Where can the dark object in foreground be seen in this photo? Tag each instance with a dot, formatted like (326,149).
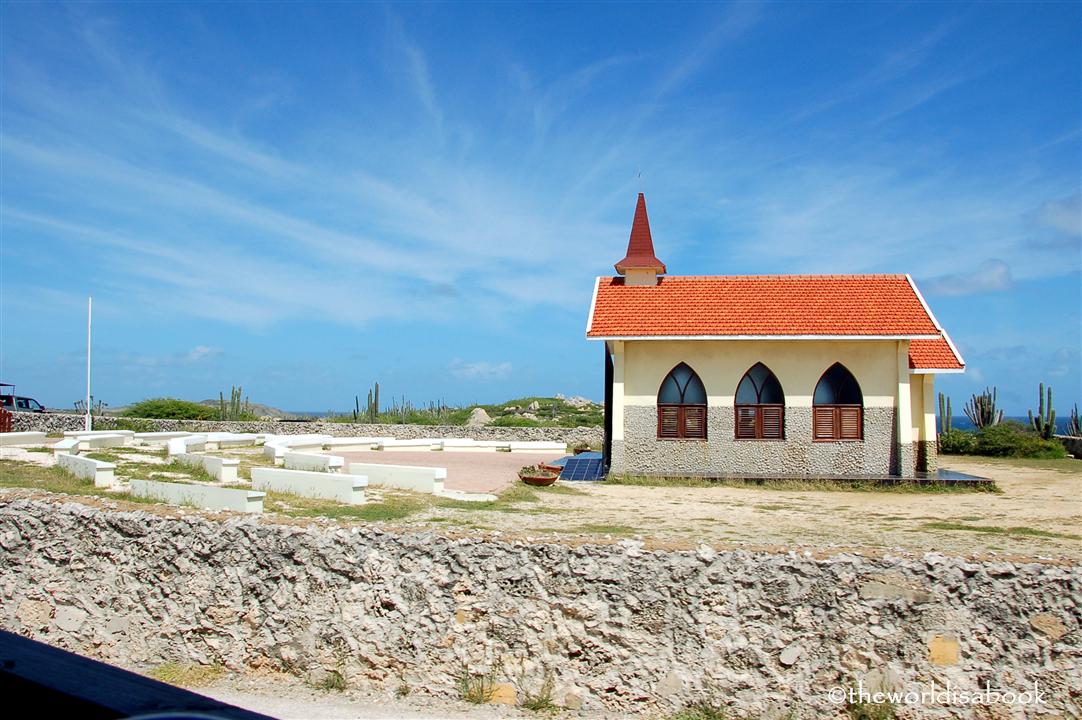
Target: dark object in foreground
(62,684)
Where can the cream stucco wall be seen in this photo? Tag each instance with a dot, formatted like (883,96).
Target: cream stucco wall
(798,365)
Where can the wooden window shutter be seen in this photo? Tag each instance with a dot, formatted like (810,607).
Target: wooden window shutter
(745,422)
(668,422)
(849,423)
(694,422)
(823,423)
(772,419)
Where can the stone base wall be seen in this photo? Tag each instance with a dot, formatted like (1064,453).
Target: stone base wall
(56,422)
(926,456)
(642,452)
(619,627)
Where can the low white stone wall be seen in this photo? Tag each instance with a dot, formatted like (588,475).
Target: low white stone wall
(618,626)
(91,442)
(406,477)
(22,438)
(348,489)
(223,469)
(311,461)
(98,471)
(208,497)
(67,446)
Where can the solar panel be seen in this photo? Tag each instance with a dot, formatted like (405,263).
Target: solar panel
(580,468)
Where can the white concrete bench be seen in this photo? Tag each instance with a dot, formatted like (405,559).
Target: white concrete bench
(275,447)
(538,446)
(188,443)
(354,443)
(89,442)
(22,438)
(415,445)
(312,461)
(89,433)
(348,489)
(407,477)
(222,469)
(201,496)
(498,445)
(160,437)
(67,446)
(224,440)
(100,472)
(464,445)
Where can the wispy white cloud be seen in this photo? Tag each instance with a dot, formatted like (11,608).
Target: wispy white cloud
(1063,215)
(990,276)
(482,370)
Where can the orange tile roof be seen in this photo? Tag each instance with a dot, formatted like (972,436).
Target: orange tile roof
(771,306)
(933,355)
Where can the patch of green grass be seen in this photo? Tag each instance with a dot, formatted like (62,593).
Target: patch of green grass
(104,456)
(392,507)
(41,449)
(1067,464)
(804,484)
(603,529)
(560,489)
(186,675)
(996,530)
(54,479)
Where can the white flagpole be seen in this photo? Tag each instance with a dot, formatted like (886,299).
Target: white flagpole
(89,315)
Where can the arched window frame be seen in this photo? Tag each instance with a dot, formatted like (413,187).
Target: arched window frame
(682,420)
(837,421)
(759,420)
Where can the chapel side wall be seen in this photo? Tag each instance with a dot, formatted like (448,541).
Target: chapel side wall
(798,364)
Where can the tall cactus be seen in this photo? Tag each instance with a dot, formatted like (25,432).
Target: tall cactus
(1074,423)
(946,424)
(981,409)
(1045,421)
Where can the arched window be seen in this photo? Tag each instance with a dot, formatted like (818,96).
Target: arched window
(838,406)
(760,406)
(681,405)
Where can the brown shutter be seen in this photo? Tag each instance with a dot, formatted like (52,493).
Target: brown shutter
(849,423)
(745,421)
(694,422)
(772,424)
(823,423)
(668,422)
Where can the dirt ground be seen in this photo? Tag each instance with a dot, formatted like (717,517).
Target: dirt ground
(1038,513)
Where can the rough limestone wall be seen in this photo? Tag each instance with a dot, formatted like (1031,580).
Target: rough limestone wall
(642,452)
(620,627)
(48,422)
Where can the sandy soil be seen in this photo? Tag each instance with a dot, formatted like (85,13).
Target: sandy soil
(1032,500)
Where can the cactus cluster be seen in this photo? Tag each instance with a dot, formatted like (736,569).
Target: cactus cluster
(1074,423)
(235,409)
(945,414)
(1045,420)
(981,409)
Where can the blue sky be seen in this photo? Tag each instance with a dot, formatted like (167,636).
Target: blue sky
(303,199)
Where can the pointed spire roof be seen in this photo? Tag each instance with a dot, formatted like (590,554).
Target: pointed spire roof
(640,248)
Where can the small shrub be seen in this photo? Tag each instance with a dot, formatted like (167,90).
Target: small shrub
(402,691)
(701,710)
(1012,439)
(333,681)
(861,710)
(957,442)
(476,689)
(540,701)
(171,409)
